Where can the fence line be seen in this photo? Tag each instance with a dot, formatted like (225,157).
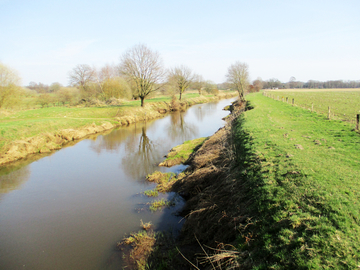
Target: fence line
(357,116)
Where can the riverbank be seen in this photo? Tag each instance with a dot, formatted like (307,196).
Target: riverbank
(274,189)
(44,130)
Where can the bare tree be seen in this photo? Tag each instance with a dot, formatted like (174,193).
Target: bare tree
(144,70)
(9,86)
(198,83)
(82,76)
(258,84)
(180,77)
(238,77)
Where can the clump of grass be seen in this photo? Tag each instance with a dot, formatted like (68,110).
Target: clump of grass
(146,226)
(159,204)
(142,244)
(151,193)
(181,153)
(164,180)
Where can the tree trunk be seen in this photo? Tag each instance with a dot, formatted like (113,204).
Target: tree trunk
(142,101)
(180,96)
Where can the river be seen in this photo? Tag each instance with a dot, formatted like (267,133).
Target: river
(68,209)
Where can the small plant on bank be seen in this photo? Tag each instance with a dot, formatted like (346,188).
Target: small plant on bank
(142,245)
(151,193)
(164,180)
(159,204)
(146,226)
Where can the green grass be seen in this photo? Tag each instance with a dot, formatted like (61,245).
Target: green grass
(182,152)
(344,104)
(151,193)
(305,203)
(159,204)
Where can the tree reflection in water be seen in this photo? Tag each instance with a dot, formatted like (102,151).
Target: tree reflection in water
(112,140)
(142,155)
(13,180)
(178,129)
(206,109)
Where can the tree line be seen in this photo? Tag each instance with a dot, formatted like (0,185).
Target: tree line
(138,75)
(311,84)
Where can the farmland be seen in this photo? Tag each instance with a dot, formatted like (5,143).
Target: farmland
(344,103)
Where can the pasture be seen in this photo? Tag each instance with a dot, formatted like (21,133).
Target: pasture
(344,103)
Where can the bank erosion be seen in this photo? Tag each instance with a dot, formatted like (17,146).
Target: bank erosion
(276,188)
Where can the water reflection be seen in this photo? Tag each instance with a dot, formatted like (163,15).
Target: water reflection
(112,141)
(205,110)
(14,179)
(178,129)
(142,155)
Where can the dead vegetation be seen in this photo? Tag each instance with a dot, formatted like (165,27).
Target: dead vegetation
(165,181)
(215,210)
(136,248)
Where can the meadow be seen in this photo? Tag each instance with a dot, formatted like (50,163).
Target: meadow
(303,175)
(344,103)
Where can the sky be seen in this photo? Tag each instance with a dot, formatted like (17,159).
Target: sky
(306,39)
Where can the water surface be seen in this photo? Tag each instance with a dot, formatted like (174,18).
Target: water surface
(68,209)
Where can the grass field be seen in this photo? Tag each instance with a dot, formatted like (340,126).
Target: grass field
(304,175)
(344,103)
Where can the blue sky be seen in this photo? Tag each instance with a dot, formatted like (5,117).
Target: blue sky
(318,40)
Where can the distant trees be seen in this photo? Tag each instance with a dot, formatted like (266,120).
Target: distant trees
(211,88)
(54,87)
(144,70)
(198,83)
(238,78)
(180,78)
(111,84)
(257,85)
(9,86)
(82,76)
(293,83)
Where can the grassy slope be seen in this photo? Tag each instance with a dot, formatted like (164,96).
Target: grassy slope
(305,202)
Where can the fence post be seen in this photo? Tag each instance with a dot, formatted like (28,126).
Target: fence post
(357,121)
(329,112)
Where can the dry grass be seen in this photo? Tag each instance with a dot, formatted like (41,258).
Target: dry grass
(164,180)
(142,244)
(146,226)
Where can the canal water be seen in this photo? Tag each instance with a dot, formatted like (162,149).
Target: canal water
(68,209)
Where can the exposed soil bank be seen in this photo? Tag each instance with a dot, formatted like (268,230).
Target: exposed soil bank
(46,142)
